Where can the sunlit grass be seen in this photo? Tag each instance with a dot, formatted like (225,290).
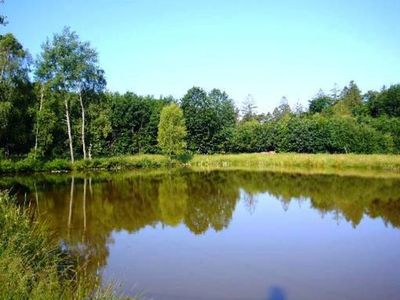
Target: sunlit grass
(306,162)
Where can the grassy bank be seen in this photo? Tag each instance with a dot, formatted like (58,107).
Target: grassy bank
(32,266)
(261,161)
(308,161)
(30,165)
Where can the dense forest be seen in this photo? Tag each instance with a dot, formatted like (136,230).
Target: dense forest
(57,106)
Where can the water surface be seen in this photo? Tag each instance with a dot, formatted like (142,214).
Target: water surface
(227,235)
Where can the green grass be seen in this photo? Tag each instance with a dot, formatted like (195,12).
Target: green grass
(29,165)
(32,266)
(308,163)
(326,163)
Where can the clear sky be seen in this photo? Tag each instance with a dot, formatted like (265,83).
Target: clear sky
(268,49)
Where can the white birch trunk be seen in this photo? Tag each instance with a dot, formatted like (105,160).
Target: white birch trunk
(37,121)
(71,148)
(83,125)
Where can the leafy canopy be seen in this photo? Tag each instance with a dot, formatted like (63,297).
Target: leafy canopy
(172,130)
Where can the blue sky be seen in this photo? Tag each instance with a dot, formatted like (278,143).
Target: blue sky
(268,49)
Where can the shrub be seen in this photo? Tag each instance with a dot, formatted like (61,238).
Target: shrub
(57,165)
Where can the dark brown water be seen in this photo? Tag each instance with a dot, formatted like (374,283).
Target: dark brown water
(227,235)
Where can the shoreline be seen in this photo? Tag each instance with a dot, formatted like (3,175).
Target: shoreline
(382,165)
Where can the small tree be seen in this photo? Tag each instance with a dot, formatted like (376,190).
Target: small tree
(172,131)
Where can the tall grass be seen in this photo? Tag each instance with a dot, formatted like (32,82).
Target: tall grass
(281,161)
(32,266)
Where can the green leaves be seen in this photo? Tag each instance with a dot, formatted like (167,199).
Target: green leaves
(207,116)
(172,131)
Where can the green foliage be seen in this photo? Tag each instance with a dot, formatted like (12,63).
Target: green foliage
(134,122)
(70,68)
(184,157)
(7,166)
(99,128)
(121,163)
(252,136)
(208,119)
(15,96)
(57,165)
(31,164)
(69,64)
(350,100)
(320,103)
(172,131)
(346,135)
(311,134)
(386,103)
(387,126)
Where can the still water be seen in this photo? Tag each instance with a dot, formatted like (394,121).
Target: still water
(227,234)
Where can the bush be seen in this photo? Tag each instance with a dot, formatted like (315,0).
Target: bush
(346,135)
(312,134)
(7,166)
(28,164)
(303,135)
(184,157)
(252,136)
(57,165)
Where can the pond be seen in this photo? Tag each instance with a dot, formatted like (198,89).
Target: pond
(227,234)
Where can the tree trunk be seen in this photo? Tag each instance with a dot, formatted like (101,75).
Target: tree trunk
(71,148)
(83,125)
(37,121)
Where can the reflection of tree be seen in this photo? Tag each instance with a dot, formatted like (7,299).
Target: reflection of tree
(212,200)
(250,202)
(172,197)
(201,200)
(84,204)
(389,210)
(351,197)
(71,201)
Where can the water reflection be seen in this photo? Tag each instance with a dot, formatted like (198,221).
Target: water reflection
(199,200)
(85,211)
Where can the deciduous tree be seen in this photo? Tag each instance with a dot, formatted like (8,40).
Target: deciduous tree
(172,131)
(71,68)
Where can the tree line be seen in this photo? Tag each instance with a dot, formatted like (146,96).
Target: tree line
(57,106)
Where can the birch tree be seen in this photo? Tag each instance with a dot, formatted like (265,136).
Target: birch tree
(71,68)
